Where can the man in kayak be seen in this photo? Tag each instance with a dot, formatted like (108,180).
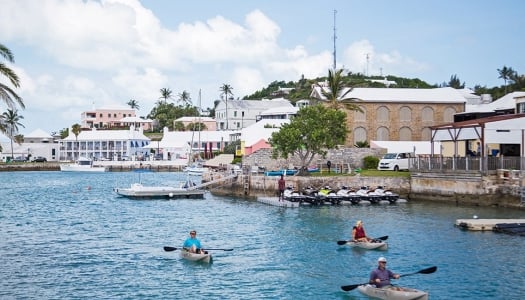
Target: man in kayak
(359,234)
(193,244)
(380,277)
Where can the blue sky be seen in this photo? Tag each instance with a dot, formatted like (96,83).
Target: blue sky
(73,55)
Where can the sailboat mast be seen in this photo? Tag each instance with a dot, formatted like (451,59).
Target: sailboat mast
(199,111)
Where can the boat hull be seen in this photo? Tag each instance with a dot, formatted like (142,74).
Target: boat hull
(392,294)
(79,168)
(369,245)
(138,191)
(197,257)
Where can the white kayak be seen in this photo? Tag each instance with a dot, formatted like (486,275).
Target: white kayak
(205,258)
(392,293)
(376,245)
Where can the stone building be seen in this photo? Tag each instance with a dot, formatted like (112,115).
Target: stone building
(398,114)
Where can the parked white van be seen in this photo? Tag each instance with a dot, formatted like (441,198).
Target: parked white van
(395,161)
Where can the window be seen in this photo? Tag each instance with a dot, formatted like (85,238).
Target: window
(405,134)
(427,114)
(360,135)
(425,134)
(383,114)
(448,114)
(383,134)
(405,114)
(360,116)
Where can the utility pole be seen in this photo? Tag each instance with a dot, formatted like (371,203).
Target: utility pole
(335,37)
(367,60)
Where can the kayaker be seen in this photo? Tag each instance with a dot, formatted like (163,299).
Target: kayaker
(359,234)
(193,244)
(281,184)
(381,276)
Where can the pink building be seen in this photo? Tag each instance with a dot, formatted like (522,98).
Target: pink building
(110,117)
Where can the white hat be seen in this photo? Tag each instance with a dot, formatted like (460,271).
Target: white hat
(381,259)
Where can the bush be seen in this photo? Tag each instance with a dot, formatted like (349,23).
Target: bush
(371,162)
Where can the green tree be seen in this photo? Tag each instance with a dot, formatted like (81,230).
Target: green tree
(11,122)
(165,94)
(505,74)
(64,133)
(455,82)
(179,126)
(6,93)
(185,99)
(134,104)
(336,94)
(197,126)
(313,131)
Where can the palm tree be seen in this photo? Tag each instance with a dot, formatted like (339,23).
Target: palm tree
(76,129)
(166,94)
(505,74)
(6,93)
(11,122)
(134,104)
(336,94)
(226,90)
(185,98)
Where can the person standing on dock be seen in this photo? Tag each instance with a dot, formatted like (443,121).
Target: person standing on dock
(281,184)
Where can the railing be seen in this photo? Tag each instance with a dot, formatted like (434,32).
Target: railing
(483,165)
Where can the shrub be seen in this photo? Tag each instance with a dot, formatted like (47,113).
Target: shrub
(371,162)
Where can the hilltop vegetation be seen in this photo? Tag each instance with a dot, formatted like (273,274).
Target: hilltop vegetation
(303,87)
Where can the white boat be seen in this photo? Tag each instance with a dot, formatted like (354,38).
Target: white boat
(83,164)
(186,189)
(205,258)
(376,245)
(395,293)
(195,169)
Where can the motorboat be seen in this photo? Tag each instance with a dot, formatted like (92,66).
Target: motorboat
(82,164)
(186,189)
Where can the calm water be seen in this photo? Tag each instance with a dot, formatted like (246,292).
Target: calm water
(68,236)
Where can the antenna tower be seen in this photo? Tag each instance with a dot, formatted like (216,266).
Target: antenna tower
(335,37)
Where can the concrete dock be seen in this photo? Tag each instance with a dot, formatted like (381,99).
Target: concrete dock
(484,224)
(275,202)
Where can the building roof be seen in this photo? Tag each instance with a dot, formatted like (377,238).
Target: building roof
(280,110)
(107,135)
(39,134)
(258,131)
(504,103)
(419,147)
(437,95)
(256,104)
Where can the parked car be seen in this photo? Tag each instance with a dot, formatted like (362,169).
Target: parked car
(19,159)
(39,159)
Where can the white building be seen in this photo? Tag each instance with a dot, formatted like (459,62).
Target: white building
(105,144)
(237,114)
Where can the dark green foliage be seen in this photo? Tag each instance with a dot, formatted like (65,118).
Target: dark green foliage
(370,162)
(314,130)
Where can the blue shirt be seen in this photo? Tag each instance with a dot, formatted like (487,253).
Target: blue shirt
(189,242)
(383,275)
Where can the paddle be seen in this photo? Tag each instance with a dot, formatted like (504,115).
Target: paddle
(424,271)
(167,248)
(383,238)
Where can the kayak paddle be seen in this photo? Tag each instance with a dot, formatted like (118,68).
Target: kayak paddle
(424,271)
(167,248)
(383,238)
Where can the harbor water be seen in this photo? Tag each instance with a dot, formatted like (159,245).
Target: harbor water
(69,236)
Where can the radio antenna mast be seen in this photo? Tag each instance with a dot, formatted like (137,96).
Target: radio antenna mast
(335,38)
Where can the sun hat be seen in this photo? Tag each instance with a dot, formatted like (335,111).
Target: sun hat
(381,259)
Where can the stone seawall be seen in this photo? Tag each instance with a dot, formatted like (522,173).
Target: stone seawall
(467,189)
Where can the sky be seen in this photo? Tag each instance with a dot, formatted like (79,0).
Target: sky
(76,55)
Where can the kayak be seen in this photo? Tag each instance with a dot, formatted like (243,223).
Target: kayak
(390,293)
(205,258)
(376,245)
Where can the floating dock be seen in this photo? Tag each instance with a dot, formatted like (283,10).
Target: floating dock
(275,202)
(488,224)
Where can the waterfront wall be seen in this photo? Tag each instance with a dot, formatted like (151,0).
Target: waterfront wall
(459,189)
